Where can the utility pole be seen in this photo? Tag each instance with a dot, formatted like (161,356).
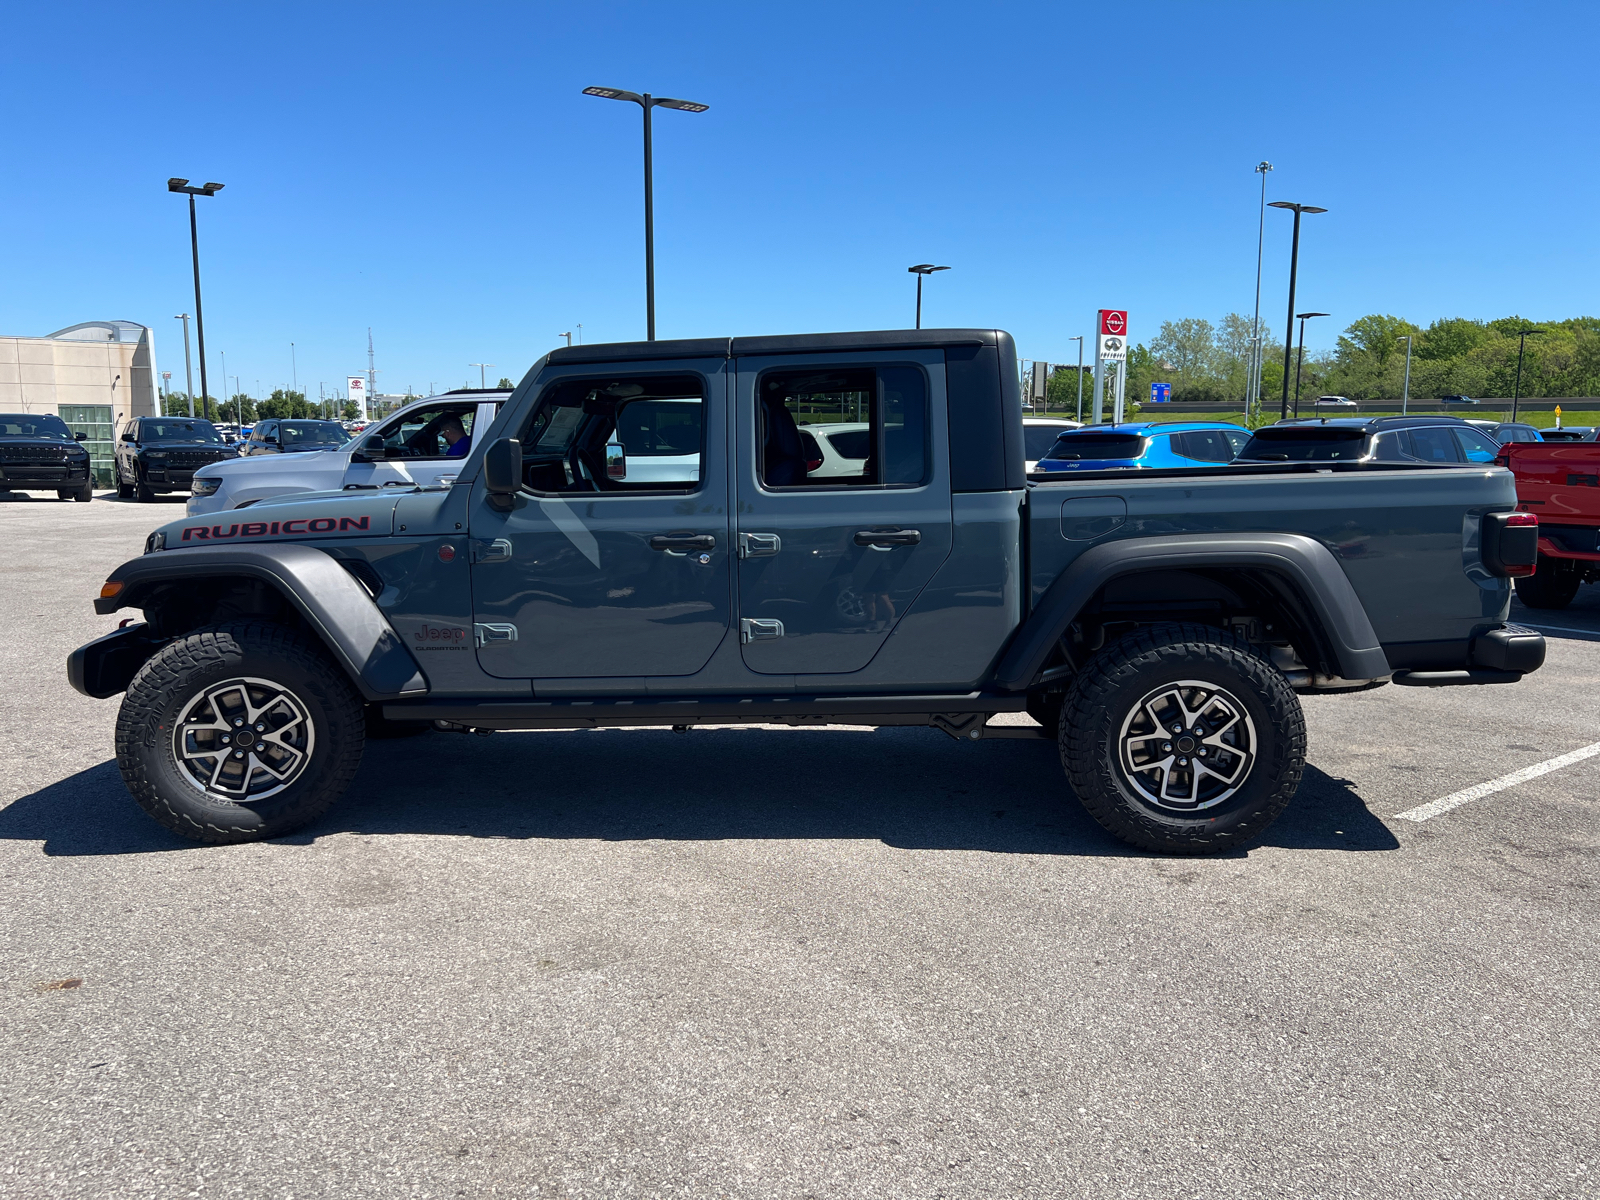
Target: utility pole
(1516,394)
(188,368)
(1405,389)
(372,371)
(482,367)
(1079,340)
(1253,383)
(1294,266)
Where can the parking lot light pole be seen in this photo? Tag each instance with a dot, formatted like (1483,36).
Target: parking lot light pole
(919,271)
(1079,340)
(182,187)
(1253,385)
(1294,266)
(1516,391)
(1405,388)
(188,367)
(647,102)
(1301,357)
(482,367)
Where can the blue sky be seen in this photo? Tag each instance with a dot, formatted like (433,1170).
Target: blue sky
(433,172)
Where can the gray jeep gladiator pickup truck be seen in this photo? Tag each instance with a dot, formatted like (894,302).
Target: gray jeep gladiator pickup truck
(649,534)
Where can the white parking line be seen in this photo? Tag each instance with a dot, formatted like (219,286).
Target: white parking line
(1560,628)
(1444,804)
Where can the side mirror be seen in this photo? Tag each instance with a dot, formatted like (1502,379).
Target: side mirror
(502,472)
(128,436)
(80,437)
(616,459)
(368,450)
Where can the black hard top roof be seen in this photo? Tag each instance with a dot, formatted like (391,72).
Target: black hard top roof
(789,343)
(1370,424)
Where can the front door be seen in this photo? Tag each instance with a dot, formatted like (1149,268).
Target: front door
(419,446)
(843,504)
(614,559)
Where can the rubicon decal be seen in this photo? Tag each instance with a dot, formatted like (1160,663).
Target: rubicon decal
(301,525)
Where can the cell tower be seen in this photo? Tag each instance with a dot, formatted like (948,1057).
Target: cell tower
(372,371)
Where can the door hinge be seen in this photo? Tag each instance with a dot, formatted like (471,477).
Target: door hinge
(759,545)
(485,635)
(498,550)
(759,629)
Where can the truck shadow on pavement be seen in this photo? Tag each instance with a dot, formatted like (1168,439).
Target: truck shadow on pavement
(908,788)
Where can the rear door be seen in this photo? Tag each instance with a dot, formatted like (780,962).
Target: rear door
(612,562)
(832,556)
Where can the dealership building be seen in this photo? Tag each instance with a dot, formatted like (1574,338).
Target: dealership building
(94,376)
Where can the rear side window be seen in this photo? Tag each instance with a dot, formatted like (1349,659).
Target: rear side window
(842,427)
(1203,445)
(1307,443)
(1435,445)
(1097,446)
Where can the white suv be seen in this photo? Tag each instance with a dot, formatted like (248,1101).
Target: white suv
(422,443)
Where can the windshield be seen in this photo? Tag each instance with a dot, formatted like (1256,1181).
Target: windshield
(39,425)
(178,431)
(1097,446)
(309,434)
(1307,443)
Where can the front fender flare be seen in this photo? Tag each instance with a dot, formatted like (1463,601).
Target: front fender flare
(335,606)
(1302,562)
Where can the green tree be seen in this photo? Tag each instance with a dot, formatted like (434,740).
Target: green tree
(237,410)
(1189,347)
(1376,336)
(283,404)
(176,404)
(505,383)
(350,411)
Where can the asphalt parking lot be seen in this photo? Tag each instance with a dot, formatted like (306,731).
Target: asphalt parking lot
(794,963)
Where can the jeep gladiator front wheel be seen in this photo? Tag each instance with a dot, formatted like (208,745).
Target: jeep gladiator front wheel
(1182,739)
(238,733)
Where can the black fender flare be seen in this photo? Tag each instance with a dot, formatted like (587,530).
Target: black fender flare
(1304,563)
(335,606)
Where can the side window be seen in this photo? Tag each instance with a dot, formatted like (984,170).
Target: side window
(1386,448)
(1476,446)
(1435,445)
(842,427)
(438,431)
(617,435)
(1238,439)
(1203,445)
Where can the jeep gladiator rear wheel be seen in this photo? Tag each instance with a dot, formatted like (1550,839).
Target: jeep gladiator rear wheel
(1553,583)
(239,732)
(1182,739)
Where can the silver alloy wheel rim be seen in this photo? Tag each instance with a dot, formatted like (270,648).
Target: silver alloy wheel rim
(1187,746)
(243,739)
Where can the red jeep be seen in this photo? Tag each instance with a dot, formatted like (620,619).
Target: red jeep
(1560,483)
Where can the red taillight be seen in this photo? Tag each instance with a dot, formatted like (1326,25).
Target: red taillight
(813,463)
(1522,518)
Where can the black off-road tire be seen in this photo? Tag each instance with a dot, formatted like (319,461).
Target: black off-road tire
(141,491)
(1552,585)
(84,494)
(124,490)
(168,685)
(1103,714)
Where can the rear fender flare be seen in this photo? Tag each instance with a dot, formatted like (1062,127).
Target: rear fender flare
(333,604)
(1307,565)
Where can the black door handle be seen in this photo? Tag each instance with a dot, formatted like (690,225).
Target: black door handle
(683,542)
(882,539)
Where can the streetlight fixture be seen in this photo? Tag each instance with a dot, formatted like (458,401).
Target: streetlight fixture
(1405,389)
(1301,357)
(1253,385)
(1516,393)
(182,187)
(482,367)
(920,270)
(568,336)
(1294,265)
(647,102)
(188,368)
(1079,340)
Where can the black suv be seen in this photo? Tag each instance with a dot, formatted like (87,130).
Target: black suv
(39,453)
(1445,440)
(161,454)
